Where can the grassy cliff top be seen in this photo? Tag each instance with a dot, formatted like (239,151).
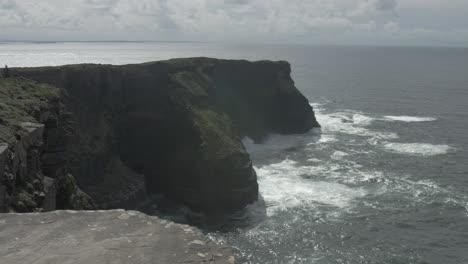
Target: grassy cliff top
(22,100)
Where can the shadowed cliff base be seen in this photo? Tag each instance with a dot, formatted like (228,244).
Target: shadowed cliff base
(172,127)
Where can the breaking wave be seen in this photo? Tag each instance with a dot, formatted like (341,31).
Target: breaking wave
(350,123)
(410,118)
(283,186)
(423,149)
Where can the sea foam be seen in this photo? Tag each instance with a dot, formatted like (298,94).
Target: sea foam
(351,123)
(423,149)
(410,118)
(282,187)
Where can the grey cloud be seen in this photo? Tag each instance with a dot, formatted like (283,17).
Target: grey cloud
(386,5)
(7,4)
(337,21)
(237,2)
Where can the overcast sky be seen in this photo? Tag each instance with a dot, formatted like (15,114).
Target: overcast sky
(368,22)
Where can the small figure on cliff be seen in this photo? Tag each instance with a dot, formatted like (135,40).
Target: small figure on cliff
(6,72)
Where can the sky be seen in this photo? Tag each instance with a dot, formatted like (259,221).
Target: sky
(337,22)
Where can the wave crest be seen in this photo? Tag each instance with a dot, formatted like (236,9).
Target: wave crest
(410,118)
(423,149)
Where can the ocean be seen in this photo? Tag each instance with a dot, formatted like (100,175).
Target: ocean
(385,180)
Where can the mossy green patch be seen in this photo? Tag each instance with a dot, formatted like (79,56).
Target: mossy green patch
(192,82)
(218,135)
(21,100)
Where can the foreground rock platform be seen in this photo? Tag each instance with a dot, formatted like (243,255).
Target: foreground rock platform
(115,236)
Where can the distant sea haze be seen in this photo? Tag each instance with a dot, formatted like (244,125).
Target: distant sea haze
(384,179)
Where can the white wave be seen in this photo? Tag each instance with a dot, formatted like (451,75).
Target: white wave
(276,142)
(282,187)
(318,105)
(327,139)
(338,155)
(348,122)
(360,119)
(423,149)
(410,118)
(351,124)
(345,171)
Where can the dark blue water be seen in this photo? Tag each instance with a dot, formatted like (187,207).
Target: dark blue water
(384,181)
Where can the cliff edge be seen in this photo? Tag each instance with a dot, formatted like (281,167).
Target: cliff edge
(171,127)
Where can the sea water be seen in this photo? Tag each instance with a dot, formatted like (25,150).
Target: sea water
(385,180)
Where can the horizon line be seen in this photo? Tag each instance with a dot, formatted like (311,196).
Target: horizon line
(232,43)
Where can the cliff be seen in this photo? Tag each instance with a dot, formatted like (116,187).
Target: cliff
(171,127)
(33,171)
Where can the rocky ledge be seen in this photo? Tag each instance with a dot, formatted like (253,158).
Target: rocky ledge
(115,236)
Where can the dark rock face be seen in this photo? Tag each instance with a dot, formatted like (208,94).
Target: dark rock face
(115,236)
(173,127)
(27,181)
(261,98)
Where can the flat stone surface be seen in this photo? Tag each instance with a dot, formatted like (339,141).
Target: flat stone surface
(35,132)
(115,236)
(3,147)
(30,127)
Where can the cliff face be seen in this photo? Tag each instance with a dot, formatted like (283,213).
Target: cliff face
(174,127)
(33,142)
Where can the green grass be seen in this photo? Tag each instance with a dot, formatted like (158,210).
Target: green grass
(192,82)
(217,133)
(22,100)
